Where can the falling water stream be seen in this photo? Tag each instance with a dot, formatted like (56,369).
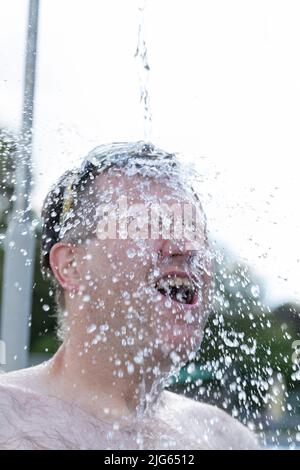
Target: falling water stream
(141,56)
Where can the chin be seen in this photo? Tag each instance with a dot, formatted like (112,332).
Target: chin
(178,343)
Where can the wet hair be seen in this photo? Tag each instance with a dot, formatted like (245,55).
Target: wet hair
(52,210)
(81,217)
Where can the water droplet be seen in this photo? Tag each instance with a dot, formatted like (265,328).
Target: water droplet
(255,291)
(91,328)
(130,368)
(131,253)
(139,358)
(191,368)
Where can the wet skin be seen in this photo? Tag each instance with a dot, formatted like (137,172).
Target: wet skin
(122,336)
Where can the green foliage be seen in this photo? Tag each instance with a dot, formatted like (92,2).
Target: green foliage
(7,174)
(43,337)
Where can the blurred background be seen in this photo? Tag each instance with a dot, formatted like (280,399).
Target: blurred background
(223,82)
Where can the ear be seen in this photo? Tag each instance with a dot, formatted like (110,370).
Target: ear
(64,266)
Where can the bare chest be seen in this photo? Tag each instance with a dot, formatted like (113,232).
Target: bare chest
(48,425)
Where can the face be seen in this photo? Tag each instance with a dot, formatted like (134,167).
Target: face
(143,285)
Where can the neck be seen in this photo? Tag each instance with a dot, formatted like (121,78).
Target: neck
(96,382)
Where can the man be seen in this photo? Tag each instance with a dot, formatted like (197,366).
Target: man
(125,244)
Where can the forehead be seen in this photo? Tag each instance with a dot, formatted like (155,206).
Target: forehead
(115,183)
(163,195)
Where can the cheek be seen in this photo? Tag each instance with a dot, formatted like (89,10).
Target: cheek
(130,260)
(117,272)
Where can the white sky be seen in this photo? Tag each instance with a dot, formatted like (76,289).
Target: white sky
(225,90)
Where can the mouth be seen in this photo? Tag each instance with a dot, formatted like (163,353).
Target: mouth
(178,287)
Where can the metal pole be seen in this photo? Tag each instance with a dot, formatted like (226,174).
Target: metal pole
(20,237)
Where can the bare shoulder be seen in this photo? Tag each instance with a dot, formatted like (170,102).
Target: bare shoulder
(11,399)
(14,392)
(11,409)
(31,420)
(217,428)
(21,415)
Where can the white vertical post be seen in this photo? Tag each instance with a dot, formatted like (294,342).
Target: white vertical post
(20,237)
